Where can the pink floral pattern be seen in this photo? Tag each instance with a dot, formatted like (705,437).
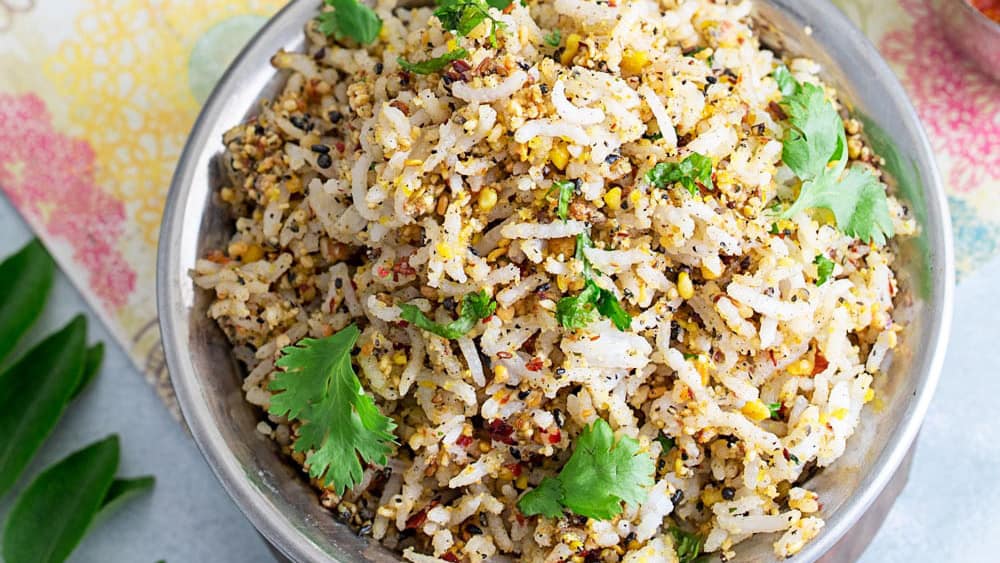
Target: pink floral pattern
(50,178)
(958,105)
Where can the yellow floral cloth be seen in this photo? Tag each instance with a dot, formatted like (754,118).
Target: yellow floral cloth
(97,97)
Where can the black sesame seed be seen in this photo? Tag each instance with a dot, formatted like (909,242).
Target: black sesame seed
(320,148)
(612,158)
(544,88)
(338,283)
(300,122)
(728,493)
(335,116)
(258,129)
(677,497)
(320,54)
(523,394)
(474,529)
(324,161)
(379,67)
(711,79)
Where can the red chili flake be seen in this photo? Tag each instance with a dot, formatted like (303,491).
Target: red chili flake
(520,518)
(461,66)
(534,364)
(501,432)
(595,337)
(383,273)
(504,355)
(770,354)
(820,363)
(402,324)
(417,520)
(788,456)
(404,268)
(449,556)
(464,441)
(515,469)
(555,437)
(340,146)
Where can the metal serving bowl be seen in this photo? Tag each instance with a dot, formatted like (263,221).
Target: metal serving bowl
(281,504)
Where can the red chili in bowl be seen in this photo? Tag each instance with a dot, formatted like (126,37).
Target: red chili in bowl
(990,8)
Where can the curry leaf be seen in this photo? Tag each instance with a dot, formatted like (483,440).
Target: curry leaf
(33,393)
(52,515)
(432,65)
(25,281)
(91,367)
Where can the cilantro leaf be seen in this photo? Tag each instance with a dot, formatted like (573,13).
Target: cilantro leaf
(553,38)
(667,442)
(824,267)
(687,545)
(462,16)
(600,475)
(786,82)
(350,18)
(545,499)
(773,408)
(475,307)
(857,200)
(339,422)
(432,65)
(566,189)
(693,170)
(580,310)
(814,136)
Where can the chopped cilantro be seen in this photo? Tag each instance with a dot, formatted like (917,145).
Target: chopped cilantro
(582,309)
(693,170)
(553,38)
(339,421)
(462,16)
(667,442)
(600,475)
(475,307)
(350,18)
(774,229)
(786,82)
(824,267)
(773,408)
(687,545)
(815,139)
(691,356)
(432,65)
(566,189)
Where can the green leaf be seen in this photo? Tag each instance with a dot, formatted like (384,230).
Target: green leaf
(824,268)
(814,135)
(52,515)
(25,281)
(566,190)
(575,312)
(33,394)
(462,16)
(340,423)
(475,307)
(786,82)
(91,367)
(857,200)
(350,18)
(773,409)
(545,499)
(500,4)
(687,545)
(693,170)
(602,473)
(579,311)
(432,65)
(667,442)
(553,38)
(597,478)
(122,490)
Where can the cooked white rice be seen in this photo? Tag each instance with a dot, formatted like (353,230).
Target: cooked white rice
(440,185)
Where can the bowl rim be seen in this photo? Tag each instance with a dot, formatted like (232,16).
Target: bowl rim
(275,526)
(979,15)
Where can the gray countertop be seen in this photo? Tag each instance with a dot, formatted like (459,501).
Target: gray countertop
(945,513)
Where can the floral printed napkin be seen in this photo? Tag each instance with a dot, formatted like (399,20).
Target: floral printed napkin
(94,113)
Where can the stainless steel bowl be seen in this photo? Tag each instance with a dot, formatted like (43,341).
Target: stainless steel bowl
(975,35)
(278,500)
